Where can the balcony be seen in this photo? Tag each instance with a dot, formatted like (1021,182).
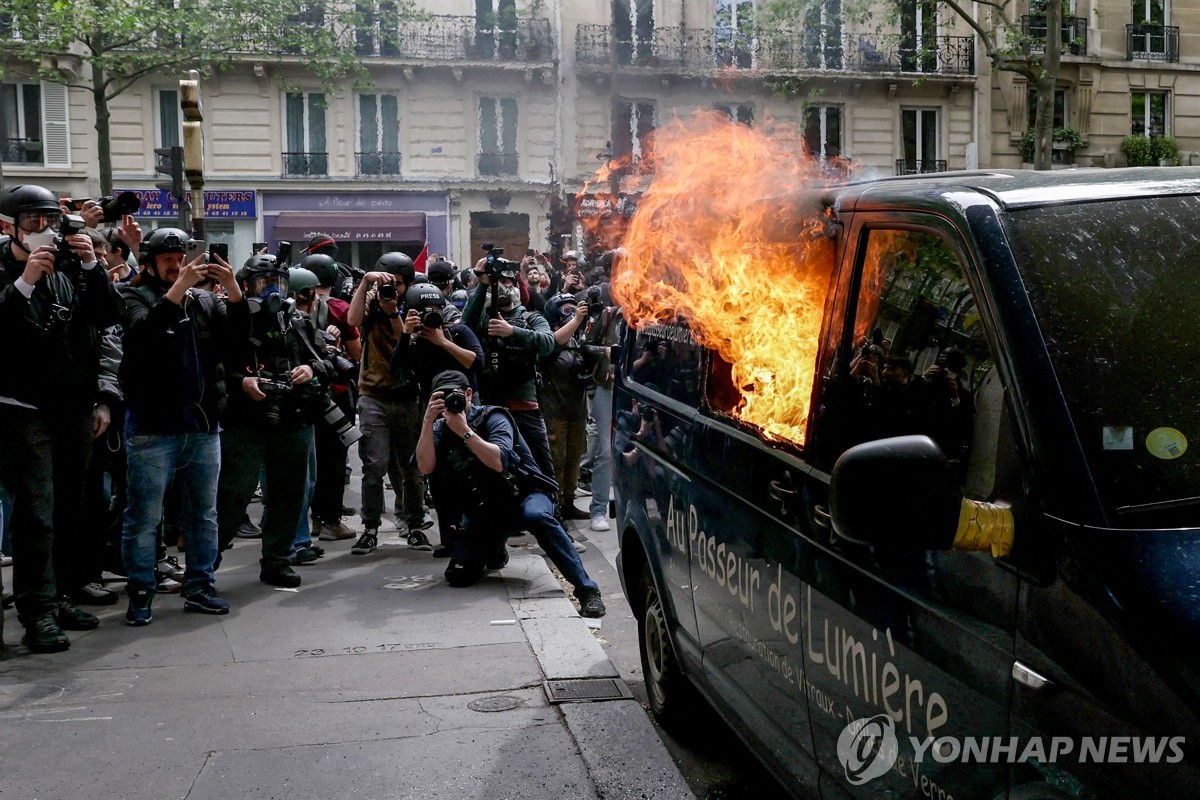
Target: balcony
(21,151)
(1074,34)
(1152,43)
(458,38)
(301,165)
(378,163)
(919,166)
(708,51)
(497,164)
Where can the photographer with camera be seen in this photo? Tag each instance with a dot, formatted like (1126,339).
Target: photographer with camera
(54,304)
(178,339)
(478,454)
(281,374)
(342,285)
(344,346)
(389,414)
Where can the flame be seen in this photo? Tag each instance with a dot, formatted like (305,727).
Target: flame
(725,240)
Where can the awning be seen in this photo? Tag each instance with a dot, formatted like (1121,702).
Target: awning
(381,226)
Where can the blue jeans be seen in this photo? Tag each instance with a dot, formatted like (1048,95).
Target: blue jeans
(304,529)
(5,519)
(602,410)
(536,515)
(194,461)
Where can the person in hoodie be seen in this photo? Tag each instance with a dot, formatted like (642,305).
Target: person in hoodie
(178,339)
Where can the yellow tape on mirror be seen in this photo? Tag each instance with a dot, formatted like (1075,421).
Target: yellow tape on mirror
(984,526)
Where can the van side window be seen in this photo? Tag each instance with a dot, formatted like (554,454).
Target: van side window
(920,355)
(665,359)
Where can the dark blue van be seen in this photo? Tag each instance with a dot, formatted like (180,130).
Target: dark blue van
(979,577)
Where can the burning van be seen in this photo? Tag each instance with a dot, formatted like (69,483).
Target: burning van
(907,476)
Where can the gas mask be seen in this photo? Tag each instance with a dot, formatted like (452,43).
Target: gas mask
(509,297)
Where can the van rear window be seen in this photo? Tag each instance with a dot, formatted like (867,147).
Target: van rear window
(1116,288)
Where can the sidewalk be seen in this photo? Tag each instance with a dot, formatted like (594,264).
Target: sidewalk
(375,680)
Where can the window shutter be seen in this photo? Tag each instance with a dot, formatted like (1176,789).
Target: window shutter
(56,126)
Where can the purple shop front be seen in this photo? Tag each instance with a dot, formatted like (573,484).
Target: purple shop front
(361,217)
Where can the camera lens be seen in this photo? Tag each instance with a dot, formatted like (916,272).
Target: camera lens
(456,401)
(387,292)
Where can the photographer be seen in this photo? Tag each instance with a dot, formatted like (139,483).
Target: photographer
(603,330)
(342,286)
(477,453)
(54,303)
(345,349)
(177,341)
(281,374)
(389,414)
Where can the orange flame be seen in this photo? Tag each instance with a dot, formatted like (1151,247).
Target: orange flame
(723,240)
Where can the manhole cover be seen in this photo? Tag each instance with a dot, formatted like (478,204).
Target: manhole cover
(579,690)
(500,702)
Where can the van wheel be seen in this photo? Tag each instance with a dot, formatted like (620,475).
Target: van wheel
(672,698)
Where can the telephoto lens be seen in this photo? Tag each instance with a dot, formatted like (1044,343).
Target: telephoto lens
(456,401)
(387,292)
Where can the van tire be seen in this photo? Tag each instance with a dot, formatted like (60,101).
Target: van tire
(672,698)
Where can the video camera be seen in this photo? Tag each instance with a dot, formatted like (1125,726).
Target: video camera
(494,265)
(65,259)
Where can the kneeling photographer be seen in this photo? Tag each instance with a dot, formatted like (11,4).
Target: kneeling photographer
(476,454)
(277,393)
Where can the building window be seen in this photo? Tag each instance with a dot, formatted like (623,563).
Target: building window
(497,136)
(1060,108)
(633,124)
(378,134)
(918,36)
(307,153)
(823,131)
(168,118)
(919,141)
(743,112)
(495,28)
(823,35)
(21,122)
(633,29)
(1148,111)
(734,33)
(378,30)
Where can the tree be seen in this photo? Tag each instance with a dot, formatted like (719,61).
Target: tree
(1009,45)
(122,41)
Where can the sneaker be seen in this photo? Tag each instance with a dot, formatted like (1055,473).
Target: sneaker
(306,555)
(583,490)
(93,594)
(590,604)
(168,585)
(599,523)
(5,561)
(366,543)
(72,618)
(579,546)
(44,636)
(205,601)
(138,613)
(347,511)
(336,532)
(283,576)
(169,566)
(248,530)
(443,551)
(417,540)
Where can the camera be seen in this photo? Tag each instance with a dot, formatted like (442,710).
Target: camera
(456,401)
(432,318)
(277,392)
(347,432)
(387,291)
(65,259)
(344,370)
(117,207)
(592,298)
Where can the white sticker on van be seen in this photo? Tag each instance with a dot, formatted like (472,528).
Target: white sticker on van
(1118,437)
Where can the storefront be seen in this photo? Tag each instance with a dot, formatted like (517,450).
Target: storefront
(366,225)
(229,217)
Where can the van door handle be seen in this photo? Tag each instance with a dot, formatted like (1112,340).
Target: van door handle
(1027,677)
(784,491)
(822,517)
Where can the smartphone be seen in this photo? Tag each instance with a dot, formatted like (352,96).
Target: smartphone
(193,248)
(258,248)
(530,253)
(284,254)
(219,249)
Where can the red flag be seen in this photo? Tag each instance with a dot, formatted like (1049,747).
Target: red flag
(420,260)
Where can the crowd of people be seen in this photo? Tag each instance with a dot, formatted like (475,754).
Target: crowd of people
(159,389)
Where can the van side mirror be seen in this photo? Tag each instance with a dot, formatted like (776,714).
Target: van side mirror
(898,493)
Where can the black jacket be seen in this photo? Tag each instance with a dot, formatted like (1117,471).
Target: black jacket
(162,396)
(52,341)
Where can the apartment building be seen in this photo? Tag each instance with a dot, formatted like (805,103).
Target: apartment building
(485,120)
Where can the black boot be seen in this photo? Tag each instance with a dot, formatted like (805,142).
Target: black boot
(283,576)
(44,636)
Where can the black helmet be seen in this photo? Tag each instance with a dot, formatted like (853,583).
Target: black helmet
(26,197)
(424,295)
(262,262)
(321,265)
(397,264)
(441,272)
(162,240)
(560,309)
(420,277)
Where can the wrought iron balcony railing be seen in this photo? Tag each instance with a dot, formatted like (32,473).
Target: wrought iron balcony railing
(457,38)
(1152,43)
(919,166)
(497,163)
(1074,34)
(703,51)
(21,151)
(303,164)
(379,163)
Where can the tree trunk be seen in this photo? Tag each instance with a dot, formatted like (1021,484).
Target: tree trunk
(103,131)
(1043,152)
